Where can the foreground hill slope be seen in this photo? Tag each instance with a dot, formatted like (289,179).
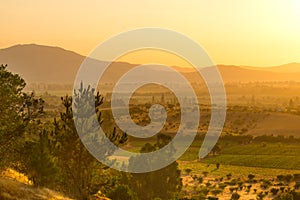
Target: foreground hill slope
(12,189)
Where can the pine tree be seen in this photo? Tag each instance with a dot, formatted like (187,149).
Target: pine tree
(78,166)
(40,164)
(12,126)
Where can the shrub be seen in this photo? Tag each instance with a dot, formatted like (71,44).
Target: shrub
(261,196)
(235,196)
(229,176)
(285,196)
(188,171)
(205,173)
(200,179)
(251,177)
(216,192)
(274,191)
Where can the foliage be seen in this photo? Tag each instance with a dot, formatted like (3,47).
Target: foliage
(235,196)
(78,167)
(164,183)
(12,126)
(284,196)
(251,176)
(40,165)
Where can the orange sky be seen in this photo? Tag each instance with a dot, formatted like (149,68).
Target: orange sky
(240,32)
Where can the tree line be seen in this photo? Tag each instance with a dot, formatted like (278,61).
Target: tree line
(51,154)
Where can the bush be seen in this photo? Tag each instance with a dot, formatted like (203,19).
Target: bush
(235,196)
(261,196)
(274,191)
(188,171)
(216,192)
(284,196)
(251,176)
(229,176)
(288,178)
(200,179)
(205,173)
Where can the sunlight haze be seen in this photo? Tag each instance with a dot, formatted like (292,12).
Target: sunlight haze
(253,33)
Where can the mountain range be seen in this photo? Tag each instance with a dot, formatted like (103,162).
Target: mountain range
(46,64)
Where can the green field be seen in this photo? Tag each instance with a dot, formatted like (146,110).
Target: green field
(265,155)
(236,171)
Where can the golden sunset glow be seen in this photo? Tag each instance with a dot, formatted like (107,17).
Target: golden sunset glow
(257,33)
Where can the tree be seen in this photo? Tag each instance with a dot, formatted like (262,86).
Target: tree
(285,196)
(121,192)
(188,171)
(12,126)
(23,143)
(288,178)
(164,183)
(274,191)
(78,167)
(216,192)
(251,177)
(40,165)
(216,149)
(235,196)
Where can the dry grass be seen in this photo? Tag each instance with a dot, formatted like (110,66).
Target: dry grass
(16,186)
(278,124)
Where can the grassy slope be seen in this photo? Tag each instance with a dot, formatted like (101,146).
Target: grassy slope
(12,189)
(16,186)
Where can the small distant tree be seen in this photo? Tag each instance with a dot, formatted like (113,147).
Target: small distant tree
(235,196)
(216,192)
(280,177)
(188,171)
(200,179)
(284,196)
(288,178)
(251,177)
(205,173)
(216,149)
(229,176)
(274,191)
(261,196)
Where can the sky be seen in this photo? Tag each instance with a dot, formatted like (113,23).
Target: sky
(238,32)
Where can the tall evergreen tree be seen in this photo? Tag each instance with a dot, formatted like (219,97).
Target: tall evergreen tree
(78,166)
(12,126)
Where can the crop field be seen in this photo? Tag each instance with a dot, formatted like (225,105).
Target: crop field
(264,155)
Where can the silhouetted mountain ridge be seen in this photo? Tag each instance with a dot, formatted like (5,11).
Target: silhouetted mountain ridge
(46,64)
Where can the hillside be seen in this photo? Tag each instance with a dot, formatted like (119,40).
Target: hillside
(11,190)
(277,124)
(45,64)
(286,68)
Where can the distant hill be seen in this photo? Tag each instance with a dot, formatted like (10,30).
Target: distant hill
(36,63)
(45,64)
(287,68)
(277,124)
